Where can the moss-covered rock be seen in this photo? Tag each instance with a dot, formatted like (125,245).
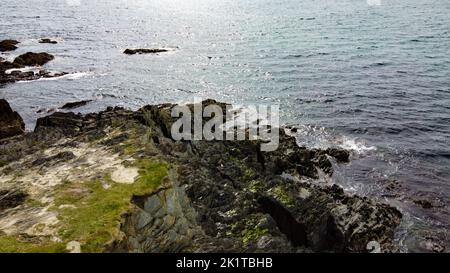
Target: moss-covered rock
(91,213)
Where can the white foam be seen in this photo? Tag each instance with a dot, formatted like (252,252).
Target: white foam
(374,2)
(25,69)
(321,138)
(71,76)
(355,145)
(76,75)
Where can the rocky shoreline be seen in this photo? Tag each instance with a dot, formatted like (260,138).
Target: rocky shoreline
(27,67)
(11,72)
(116,181)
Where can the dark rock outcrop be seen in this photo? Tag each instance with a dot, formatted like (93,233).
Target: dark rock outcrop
(33,59)
(62,156)
(47,41)
(11,199)
(76,104)
(18,75)
(287,224)
(5,65)
(8,45)
(219,196)
(68,123)
(424,203)
(144,51)
(27,59)
(11,123)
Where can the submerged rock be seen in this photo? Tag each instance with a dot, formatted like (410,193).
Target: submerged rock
(18,75)
(5,65)
(8,45)
(424,203)
(11,123)
(144,51)
(45,110)
(47,41)
(76,104)
(184,196)
(33,59)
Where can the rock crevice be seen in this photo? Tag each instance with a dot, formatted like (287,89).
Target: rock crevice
(217,196)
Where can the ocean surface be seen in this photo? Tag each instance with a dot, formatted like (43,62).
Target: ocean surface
(372,76)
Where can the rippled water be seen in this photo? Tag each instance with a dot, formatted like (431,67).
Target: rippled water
(368,77)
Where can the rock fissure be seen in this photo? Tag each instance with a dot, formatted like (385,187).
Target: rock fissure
(175,196)
(286,223)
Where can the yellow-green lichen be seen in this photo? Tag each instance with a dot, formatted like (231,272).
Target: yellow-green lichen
(248,230)
(137,141)
(280,193)
(34,203)
(255,186)
(249,173)
(253,234)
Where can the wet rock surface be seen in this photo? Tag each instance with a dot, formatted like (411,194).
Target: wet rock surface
(424,203)
(47,41)
(5,65)
(11,123)
(33,59)
(18,75)
(75,104)
(12,71)
(8,45)
(217,196)
(144,51)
